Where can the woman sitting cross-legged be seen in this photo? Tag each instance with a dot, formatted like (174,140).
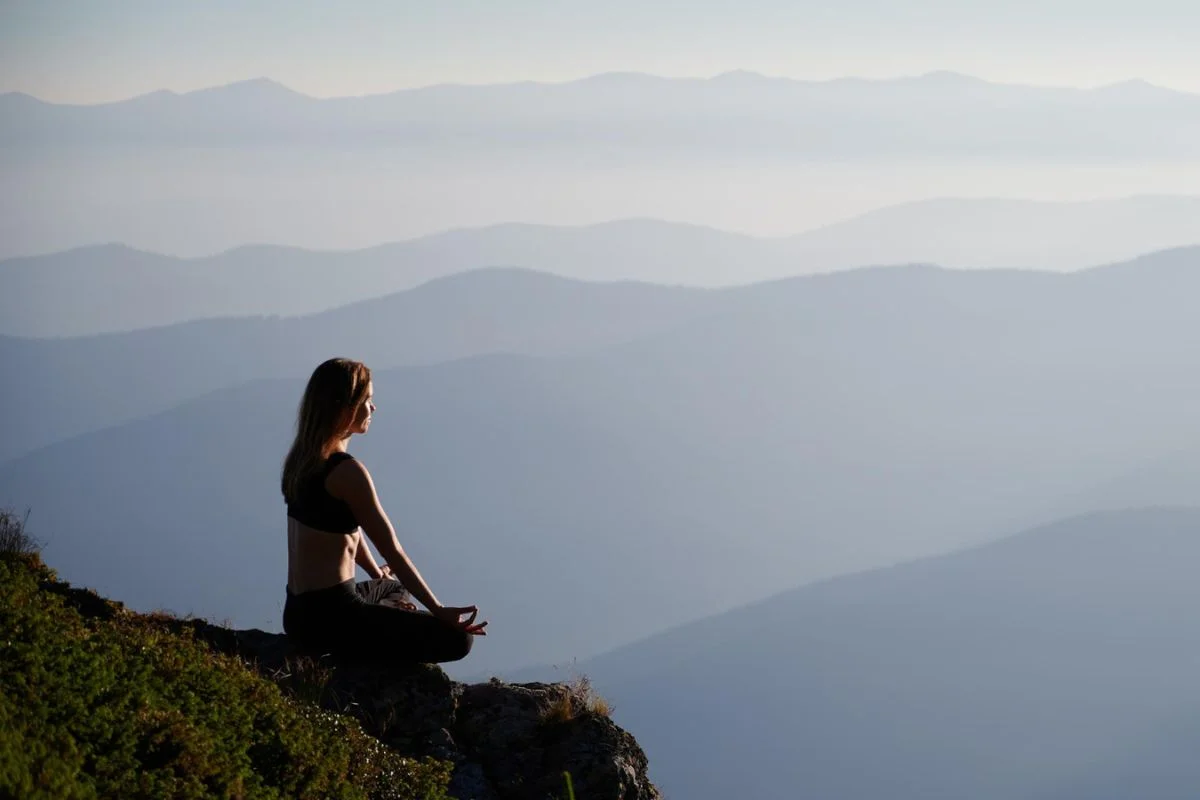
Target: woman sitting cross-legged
(331,501)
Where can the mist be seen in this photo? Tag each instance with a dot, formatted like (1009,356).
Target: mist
(842,431)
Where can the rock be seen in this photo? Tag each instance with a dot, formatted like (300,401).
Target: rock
(470,783)
(524,753)
(507,741)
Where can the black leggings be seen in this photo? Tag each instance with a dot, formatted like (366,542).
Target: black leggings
(347,620)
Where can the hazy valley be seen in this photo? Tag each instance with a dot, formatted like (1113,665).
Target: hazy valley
(790,431)
(843,432)
(1057,663)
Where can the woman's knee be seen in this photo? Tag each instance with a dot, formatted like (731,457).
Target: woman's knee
(458,644)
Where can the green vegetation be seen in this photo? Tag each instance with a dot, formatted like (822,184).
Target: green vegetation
(98,701)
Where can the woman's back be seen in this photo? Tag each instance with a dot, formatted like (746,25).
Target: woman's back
(322,532)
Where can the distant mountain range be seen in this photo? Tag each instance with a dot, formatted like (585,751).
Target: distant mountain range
(78,384)
(75,385)
(939,113)
(788,431)
(60,294)
(1059,663)
(761,490)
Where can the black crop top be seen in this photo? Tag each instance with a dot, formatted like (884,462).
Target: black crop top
(317,508)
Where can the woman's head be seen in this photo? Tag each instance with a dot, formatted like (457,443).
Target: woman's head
(336,404)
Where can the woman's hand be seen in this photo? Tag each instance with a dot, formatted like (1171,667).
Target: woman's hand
(454,614)
(396,601)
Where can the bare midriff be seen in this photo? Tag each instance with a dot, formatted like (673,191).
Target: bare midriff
(319,559)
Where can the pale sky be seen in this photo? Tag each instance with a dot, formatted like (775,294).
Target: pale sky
(87,51)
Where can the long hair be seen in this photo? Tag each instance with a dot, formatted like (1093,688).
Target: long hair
(336,387)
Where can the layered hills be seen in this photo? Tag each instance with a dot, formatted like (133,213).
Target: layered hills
(1056,663)
(792,432)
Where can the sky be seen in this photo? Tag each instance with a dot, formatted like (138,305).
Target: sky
(90,51)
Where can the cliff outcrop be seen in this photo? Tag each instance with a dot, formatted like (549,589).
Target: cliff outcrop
(101,701)
(506,741)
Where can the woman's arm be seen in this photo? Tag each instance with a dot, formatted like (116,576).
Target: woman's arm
(350,482)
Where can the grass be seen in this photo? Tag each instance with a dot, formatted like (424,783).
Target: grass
(98,701)
(303,677)
(577,698)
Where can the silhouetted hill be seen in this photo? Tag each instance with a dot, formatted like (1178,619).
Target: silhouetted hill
(938,113)
(74,385)
(71,386)
(1170,478)
(1059,663)
(56,295)
(806,429)
(973,233)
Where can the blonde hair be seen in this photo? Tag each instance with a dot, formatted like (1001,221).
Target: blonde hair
(336,386)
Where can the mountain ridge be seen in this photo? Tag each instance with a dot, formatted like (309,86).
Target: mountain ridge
(1077,633)
(514,310)
(53,295)
(839,582)
(764,424)
(952,119)
(934,77)
(626,223)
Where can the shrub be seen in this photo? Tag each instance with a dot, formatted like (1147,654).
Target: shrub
(14,540)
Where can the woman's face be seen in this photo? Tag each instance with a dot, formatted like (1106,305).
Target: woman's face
(362,413)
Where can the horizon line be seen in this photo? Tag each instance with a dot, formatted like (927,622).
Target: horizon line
(942,74)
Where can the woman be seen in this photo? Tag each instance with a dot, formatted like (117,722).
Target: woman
(329,497)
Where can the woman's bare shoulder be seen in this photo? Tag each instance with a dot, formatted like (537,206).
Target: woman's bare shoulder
(348,476)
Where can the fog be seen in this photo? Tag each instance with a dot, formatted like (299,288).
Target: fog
(784,409)
(256,163)
(202,202)
(697,450)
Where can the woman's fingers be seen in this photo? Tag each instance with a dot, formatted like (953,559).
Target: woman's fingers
(469,624)
(459,611)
